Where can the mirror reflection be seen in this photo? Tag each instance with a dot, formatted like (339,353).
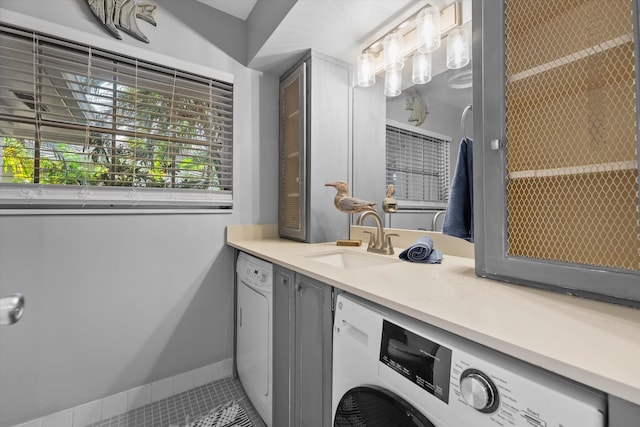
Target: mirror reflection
(412,141)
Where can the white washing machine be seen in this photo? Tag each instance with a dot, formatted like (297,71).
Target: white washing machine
(391,370)
(253,331)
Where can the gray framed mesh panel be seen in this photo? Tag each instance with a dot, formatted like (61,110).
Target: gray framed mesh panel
(571,148)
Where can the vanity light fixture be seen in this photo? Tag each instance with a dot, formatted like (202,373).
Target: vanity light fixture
(418,35)
(365,70)
(457,48)
(393,51)
(393,82)
(421,68)
(428,29)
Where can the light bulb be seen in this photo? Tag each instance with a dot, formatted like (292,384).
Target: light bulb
(428,29)
(392,82)
(393,51)
(365,73)
(421,68)
(457,48)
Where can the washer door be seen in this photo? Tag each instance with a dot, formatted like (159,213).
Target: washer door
(376,407)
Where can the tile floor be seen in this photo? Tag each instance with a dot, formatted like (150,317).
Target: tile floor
(175,409)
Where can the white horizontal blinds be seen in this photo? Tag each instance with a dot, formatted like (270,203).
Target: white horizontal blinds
(417,165)
(76,115)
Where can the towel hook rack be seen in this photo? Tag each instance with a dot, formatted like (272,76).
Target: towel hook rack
(462,122)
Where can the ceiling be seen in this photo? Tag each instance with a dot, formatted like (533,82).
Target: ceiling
(338,28)
(238,8)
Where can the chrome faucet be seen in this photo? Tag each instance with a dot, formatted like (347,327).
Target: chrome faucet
(380,242)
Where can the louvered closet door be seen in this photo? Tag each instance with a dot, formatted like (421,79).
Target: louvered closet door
(568,157)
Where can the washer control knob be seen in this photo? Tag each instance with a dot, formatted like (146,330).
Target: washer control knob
(478,391)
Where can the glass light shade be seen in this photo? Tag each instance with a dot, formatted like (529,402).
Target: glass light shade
(421,68)
(457,48)
(392,82)
(428,29)
(393,51)
(365,73)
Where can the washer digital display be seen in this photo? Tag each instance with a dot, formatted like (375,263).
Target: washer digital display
(424,362)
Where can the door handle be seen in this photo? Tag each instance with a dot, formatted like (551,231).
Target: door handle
(11,309)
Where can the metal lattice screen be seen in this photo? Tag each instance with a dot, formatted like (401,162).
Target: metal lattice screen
(418,164)
(572,167)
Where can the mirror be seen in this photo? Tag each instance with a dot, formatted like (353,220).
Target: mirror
(445,98)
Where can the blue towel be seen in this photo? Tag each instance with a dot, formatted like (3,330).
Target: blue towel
(458,220)
(422,251)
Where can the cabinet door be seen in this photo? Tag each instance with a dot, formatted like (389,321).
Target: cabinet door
(283,350)
(313,350)
(622,413)
(315,143)
(292,222)
(557,203)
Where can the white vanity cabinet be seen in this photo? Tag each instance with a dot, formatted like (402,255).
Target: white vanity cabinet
(302,350)
(556,147)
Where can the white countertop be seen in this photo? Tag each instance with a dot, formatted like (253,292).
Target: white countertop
(592,342)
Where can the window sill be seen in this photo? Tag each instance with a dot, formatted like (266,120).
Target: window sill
(16,199)
(110,211)
(412,205)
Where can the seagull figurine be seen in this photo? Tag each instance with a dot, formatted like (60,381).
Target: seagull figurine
(347,204)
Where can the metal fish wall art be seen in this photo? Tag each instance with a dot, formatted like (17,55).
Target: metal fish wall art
(418,109)
(122,14)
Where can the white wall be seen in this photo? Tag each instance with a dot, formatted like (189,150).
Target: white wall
(117,301)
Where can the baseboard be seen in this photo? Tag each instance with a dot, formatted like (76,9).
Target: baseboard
(109,406)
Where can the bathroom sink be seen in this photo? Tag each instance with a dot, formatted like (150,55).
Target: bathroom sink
(352,260)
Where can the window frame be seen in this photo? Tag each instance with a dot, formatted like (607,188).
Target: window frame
(417,205)
(19,198)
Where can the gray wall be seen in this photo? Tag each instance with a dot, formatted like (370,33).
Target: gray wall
(118,301)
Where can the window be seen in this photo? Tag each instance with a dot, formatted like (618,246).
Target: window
(80,126)
(418,166)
